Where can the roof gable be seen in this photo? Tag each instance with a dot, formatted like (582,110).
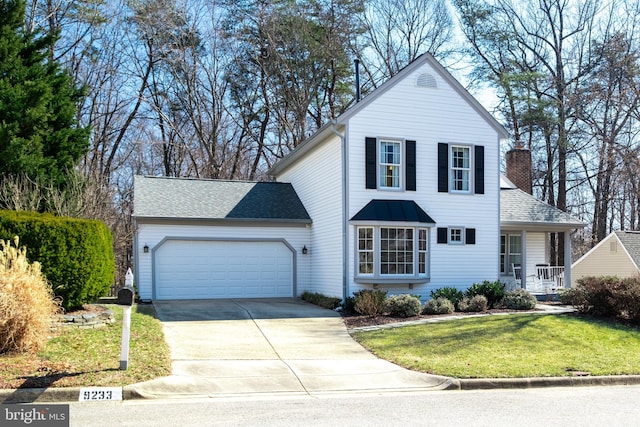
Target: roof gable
(179,198)
(631,242)
(339,124)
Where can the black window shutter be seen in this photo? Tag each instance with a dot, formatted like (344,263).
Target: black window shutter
(443,167)
(479,169)
(370,160)
(442,234)
(410,171)
(470,236)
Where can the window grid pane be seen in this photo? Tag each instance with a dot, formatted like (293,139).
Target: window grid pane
(514,251)
(422,251)
(365,250)
(460,168)
(396,251)
(389,164)
(455,235)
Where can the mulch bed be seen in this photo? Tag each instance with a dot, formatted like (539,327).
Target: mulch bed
(354,320)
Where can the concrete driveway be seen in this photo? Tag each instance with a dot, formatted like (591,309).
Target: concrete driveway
(268,346)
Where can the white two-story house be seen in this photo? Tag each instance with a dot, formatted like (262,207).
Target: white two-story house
(401,193)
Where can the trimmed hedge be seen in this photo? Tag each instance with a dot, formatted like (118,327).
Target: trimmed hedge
(320,300)
(76,254)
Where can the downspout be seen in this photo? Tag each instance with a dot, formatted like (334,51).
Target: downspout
(345,188)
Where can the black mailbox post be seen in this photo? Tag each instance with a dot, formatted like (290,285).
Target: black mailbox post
(125,296)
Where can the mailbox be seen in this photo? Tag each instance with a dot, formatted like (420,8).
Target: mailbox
(126,296)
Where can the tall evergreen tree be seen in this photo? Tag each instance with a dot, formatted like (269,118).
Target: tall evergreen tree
(40,136)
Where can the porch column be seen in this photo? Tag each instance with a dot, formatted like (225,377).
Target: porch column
(523,264)
(567,258)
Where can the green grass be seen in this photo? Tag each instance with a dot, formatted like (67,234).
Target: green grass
(91,357)
(510,346)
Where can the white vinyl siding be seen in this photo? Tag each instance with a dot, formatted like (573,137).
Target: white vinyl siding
(317,179)
(430,117)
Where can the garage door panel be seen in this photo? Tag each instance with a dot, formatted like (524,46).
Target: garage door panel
(216,269)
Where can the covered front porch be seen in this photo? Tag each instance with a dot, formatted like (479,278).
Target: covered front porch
(526,261)
(526,226)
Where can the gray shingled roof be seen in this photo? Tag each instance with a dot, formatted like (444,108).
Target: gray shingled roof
(520,208)
(159,197)
(631,241)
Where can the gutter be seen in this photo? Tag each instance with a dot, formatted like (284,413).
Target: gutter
(345,188)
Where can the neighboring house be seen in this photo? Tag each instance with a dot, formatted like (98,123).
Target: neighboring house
(401,193)
(618,254)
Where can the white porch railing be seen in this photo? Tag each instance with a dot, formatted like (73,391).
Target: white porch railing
(546,279)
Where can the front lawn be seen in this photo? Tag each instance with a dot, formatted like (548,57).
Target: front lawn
(519,345)
(91,357)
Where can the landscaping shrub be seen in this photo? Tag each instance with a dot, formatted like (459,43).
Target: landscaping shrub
(628,299)
(26,301)
(76,255)
(403,305)
(574,297)
(493,291)
(598,295)
(448,292)
(348,305)
(321,300)
(519,299)
(474,304)
(369,302)
(440,305)
(606,296)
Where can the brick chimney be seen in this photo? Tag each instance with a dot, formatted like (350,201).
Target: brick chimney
(519,167)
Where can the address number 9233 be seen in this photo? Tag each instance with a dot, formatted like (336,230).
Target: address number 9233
(100,393)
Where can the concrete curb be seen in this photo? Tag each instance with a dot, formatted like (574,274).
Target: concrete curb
(512,383)
(39,395)
(131,392)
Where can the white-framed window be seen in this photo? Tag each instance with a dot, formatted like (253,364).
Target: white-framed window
(365,250)
(389,164)
(510,252)
(460,169)
(456,235)
(423,242)
(396,251)
(388,252)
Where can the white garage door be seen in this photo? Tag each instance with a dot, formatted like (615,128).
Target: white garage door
(196,269)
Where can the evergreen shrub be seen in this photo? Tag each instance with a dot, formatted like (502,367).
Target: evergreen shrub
(403,305)
(76,255)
